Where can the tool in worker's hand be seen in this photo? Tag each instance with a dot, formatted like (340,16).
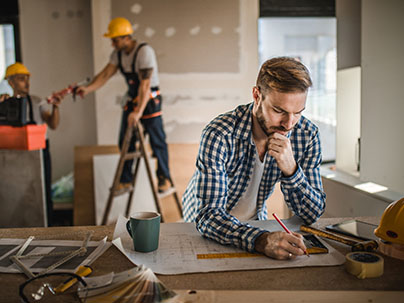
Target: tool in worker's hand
(83,271)
(71,89)
(355,245)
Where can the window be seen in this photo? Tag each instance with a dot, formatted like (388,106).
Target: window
(7,54)
(312,40)
(9,40)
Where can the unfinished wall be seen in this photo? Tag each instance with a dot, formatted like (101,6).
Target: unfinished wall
(57,49)
(198,36)
(207,54)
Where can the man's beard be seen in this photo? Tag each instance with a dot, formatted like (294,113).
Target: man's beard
(23,92)
(261,122)
(265,129)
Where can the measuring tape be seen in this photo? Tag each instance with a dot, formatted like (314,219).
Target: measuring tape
(364,264)
(228,255)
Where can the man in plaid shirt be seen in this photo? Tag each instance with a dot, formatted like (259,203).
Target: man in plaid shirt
(245,152)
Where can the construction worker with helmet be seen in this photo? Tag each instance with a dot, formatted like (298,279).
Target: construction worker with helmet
(13,70)
(137,63)
(18,77)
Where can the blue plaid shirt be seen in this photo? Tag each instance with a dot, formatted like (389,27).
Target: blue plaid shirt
(223,168)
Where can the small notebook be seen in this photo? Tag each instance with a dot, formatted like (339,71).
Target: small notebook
(313,245)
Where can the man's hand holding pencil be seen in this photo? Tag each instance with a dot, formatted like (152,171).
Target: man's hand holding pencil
(281,245)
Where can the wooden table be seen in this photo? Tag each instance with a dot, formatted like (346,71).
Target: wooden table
(282,281)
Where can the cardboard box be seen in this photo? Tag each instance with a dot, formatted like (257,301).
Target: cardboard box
(28,137)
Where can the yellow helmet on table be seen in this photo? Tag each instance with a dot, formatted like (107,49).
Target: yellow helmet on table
(119,27)
(16,69)
(391,227)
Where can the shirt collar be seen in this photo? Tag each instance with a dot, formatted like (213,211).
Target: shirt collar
(244,131)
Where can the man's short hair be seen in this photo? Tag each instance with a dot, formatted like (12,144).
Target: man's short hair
(283,74)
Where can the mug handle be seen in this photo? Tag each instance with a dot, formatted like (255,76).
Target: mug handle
(128,228)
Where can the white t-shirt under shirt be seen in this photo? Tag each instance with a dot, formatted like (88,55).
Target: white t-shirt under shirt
(246,208)
(146,58)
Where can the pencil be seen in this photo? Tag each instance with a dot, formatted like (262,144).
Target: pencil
(83,271)
(286,229)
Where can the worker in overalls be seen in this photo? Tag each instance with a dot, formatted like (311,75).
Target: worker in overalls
(137,63)
(18,78)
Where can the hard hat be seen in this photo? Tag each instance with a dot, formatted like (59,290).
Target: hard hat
(16,68)
(391,227)
(119,27)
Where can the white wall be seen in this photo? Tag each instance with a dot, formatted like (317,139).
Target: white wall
(349,33)
(192,99)
(370,35)
(382,102)
(57,49)
(348,116)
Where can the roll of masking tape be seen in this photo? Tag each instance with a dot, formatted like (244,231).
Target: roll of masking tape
(364,264)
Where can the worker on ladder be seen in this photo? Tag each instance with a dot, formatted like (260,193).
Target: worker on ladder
(137,62)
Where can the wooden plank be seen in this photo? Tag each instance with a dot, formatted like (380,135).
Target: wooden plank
(84,201)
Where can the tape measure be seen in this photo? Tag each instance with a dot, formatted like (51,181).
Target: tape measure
(228,255)
(364,264)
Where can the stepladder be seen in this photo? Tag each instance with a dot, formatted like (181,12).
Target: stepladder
(140,153)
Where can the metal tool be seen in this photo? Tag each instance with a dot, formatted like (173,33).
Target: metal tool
(24,246)
(71,89)
(67,256)
(355,245)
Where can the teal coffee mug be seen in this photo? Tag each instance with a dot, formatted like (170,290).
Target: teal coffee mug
(144,229)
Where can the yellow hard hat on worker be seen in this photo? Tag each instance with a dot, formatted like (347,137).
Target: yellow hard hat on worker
(391,227)
(16,69)
(119,27)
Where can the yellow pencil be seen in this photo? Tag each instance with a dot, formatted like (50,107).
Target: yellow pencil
(82,271)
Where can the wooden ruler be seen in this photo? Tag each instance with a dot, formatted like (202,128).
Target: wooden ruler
(327,235)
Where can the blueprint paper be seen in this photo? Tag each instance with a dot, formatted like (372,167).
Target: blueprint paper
(180,243)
